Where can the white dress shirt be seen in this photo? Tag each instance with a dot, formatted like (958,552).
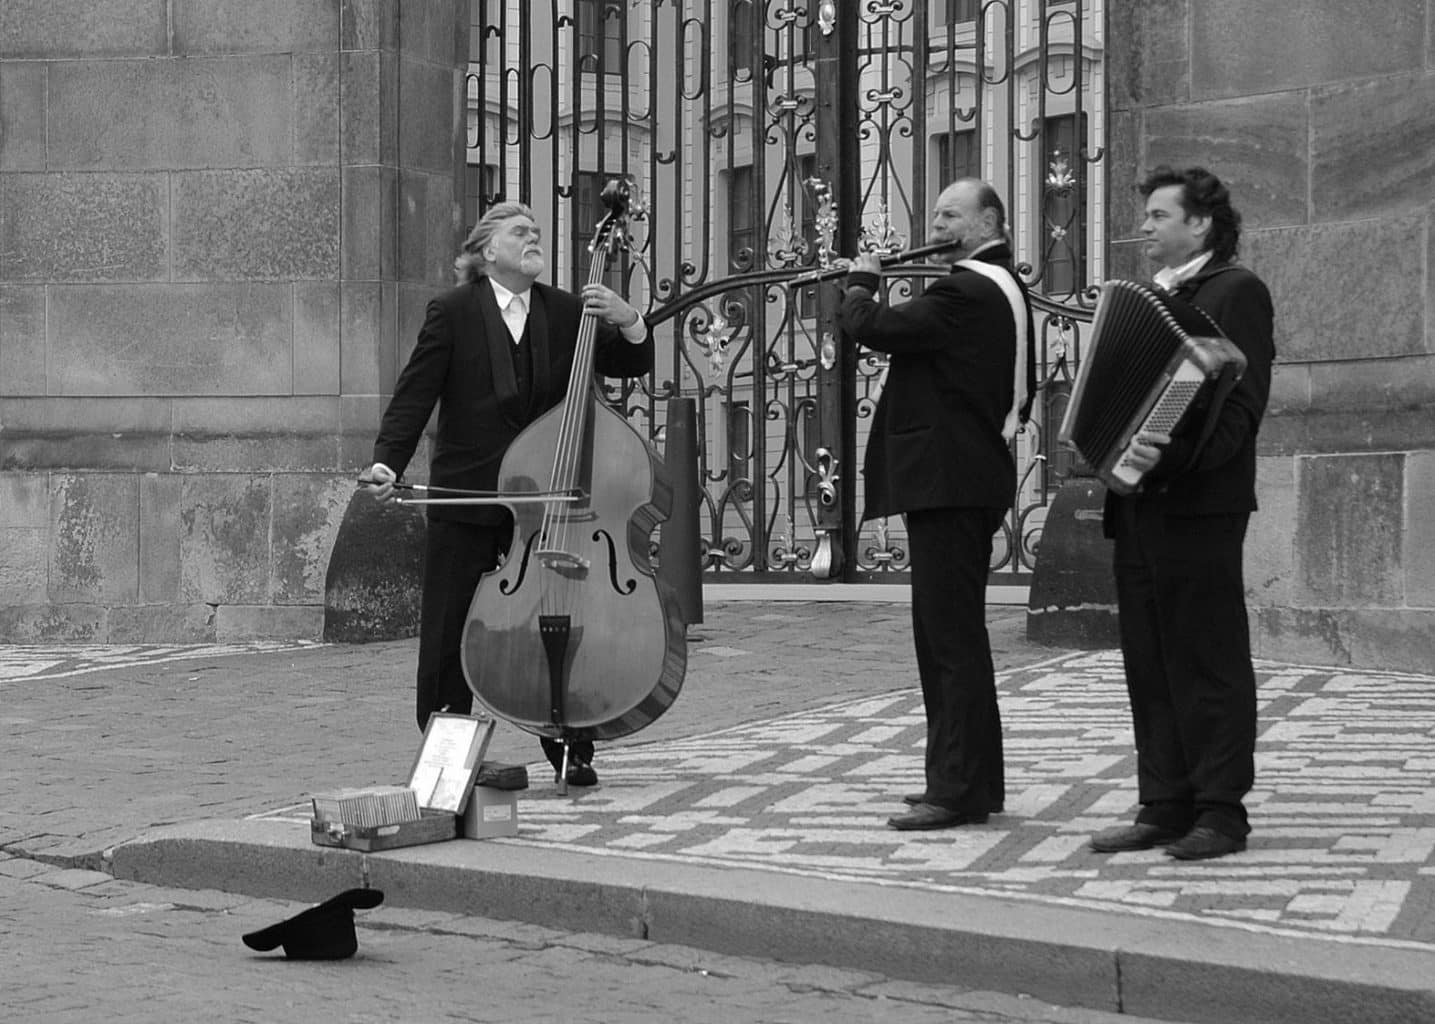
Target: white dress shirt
(514,306)
(1167,278)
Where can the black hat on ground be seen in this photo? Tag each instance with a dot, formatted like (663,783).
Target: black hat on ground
(323,932)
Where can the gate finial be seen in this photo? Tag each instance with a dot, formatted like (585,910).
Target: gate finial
(882,236)
(825,222)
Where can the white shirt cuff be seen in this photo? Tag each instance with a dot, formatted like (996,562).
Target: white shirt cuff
(636,331)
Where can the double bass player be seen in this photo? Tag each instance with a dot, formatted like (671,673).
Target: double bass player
(493,355)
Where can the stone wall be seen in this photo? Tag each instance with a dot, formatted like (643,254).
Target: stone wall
(218,225)
(1317,113)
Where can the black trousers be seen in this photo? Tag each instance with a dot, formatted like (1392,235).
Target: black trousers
(456,555)
(951,559)
(1186,644)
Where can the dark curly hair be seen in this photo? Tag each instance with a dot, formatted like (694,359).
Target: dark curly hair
(1202,195)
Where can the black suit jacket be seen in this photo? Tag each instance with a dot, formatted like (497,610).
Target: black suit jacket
(1220,479)
(936,438)
(464,362)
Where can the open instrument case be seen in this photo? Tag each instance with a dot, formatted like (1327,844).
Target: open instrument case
(443,776)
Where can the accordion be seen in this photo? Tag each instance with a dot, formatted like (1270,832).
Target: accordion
(1154,363)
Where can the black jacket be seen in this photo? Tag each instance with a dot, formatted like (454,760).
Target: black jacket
(1222,478)
(936,438)
(464,362)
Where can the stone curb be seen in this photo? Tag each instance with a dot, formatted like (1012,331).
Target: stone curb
(1190,971)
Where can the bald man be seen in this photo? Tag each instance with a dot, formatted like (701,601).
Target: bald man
(959,384)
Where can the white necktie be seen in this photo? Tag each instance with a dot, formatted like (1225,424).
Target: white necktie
(514,315)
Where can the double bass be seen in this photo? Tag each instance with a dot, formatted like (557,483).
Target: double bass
(573,637)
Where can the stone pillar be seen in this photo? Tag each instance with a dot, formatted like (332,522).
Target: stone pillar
(1317,116)
(212,216)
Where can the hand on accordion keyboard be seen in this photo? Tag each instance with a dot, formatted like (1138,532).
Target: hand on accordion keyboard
(1146,451)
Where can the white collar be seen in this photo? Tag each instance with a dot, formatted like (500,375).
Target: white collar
(503,295)
(1167,278)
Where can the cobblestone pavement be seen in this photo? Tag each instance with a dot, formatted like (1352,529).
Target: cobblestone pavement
(1344,810)
(108,742)
(77,946)
(798,728)
(21,663)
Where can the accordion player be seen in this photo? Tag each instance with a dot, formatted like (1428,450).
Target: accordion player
(1155,363)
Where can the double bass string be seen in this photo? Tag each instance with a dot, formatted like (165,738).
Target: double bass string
(570,445)
(554,536)
(568,453)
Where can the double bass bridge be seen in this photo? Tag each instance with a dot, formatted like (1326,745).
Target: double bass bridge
(565,563)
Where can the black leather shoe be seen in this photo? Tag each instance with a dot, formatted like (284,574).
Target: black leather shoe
(581,773)
(928,816)
(913,799)
(1139,836)
(1203,843)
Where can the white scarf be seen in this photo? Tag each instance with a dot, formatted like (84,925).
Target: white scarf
(1167,278)
(1007,283)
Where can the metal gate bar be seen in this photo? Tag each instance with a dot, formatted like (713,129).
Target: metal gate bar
(765,136)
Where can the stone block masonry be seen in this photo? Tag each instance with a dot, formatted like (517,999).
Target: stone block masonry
(209,213)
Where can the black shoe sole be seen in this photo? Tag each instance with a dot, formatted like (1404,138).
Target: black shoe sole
(1163,840)
(957,821)
(582,775)
(913,799)
(1206,849)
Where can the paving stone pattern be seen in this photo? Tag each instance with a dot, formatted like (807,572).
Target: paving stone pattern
(798,731)
(78,946)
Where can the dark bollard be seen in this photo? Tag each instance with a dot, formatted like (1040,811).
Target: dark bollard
(679,548)
(375,576)
(1072,601)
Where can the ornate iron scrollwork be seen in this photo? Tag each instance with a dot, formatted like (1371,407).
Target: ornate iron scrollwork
(827,477)
(725,113)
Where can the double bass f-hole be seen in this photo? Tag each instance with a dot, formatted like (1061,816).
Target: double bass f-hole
(620,588)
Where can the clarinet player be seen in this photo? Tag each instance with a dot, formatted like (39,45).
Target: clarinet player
(959,385)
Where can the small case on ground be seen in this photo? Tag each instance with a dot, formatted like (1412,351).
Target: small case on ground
(442,780)
(497,775)
(491,813)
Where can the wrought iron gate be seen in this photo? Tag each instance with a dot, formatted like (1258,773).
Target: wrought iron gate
(767,137)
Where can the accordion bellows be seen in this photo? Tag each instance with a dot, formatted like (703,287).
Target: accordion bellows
(1153,363)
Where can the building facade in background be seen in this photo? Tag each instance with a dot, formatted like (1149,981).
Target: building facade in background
(219,225)
(217,222)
